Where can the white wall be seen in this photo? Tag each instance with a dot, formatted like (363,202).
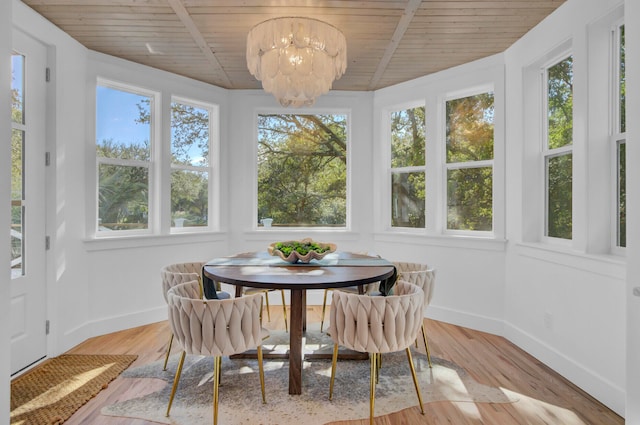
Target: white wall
(563,304)
(632,12)
(5,211)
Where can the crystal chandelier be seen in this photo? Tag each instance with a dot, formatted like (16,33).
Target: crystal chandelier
(297,59)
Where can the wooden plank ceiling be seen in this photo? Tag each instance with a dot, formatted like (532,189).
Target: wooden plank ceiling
(388,41)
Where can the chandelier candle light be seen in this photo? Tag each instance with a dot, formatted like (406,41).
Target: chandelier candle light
(297,59)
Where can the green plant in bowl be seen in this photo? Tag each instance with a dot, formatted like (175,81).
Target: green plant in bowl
(303,250)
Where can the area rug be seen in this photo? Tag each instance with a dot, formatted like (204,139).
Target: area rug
(240,399)
(52,392)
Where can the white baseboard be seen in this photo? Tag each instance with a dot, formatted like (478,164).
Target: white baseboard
(598,387)
(111,324)
(461,318)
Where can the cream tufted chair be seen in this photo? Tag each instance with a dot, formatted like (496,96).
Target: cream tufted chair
(424,277)
(361,289)
(376,325)
(214,328)
(175,274)
(248,290)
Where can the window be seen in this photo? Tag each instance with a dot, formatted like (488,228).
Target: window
(408,168)
(302,170)
(124,151)
(190,164)
(17,165)
(469,162)
(619,136)
(558,148)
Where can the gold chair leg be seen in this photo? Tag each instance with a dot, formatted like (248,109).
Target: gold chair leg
(166,357)
(284,310)
(261,369)
(374,374)
(217,360)
(176,379)
(324,308)
(426,345)
(266,300)
(415,379)
(334,361)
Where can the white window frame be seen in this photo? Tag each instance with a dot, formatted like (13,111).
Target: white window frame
(446,167)
(213,161)
(546,153)
(310,111)
(617,136)
(152,165)
(403,170)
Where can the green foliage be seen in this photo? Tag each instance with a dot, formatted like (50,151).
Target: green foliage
(302,248)
(470,139)
(302,171)
(408,137)
(123,197)
(559,196)
(560,104)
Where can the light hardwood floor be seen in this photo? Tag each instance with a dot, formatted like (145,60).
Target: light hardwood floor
(544,396)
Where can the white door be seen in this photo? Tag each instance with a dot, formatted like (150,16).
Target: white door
(28,286)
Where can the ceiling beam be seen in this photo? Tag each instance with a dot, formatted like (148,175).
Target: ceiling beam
(197,36)
(401,28)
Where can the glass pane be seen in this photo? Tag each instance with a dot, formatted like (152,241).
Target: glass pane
(17,88)
(189,198)
(17,198)
(123,198)
(470,199)
(470,128)
(622,194)
(189,134)
(623,83)
(560,104)
(302,169)
(407,138)
(123,124)
(408,200)
(559,196)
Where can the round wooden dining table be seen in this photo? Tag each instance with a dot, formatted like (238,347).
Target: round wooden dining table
(260,270)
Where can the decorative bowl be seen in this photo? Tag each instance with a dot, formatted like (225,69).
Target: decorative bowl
(302,251)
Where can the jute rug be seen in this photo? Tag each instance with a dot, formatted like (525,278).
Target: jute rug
(51,392)
(240,399)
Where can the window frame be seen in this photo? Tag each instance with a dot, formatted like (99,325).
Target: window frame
(446,167)
(546,153)
(152,165)
(349,146)
(213,161)
(403,170)
(616,135)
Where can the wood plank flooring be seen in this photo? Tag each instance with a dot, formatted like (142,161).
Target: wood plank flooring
(544,396)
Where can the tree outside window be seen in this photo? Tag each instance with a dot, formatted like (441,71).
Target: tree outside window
(619,137)
(190,138)
(123,150)
(469,162)
(408,193)
(558,153)
(302,169)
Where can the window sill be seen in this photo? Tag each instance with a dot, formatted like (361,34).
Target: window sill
(604,264)
(141,241)
(274,233)
(450,241)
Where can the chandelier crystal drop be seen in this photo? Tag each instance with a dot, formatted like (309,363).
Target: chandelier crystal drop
(297,59)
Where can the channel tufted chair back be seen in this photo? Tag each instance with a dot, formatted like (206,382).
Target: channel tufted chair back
(214,328)
(175,274)
(376,325)
(424,277)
